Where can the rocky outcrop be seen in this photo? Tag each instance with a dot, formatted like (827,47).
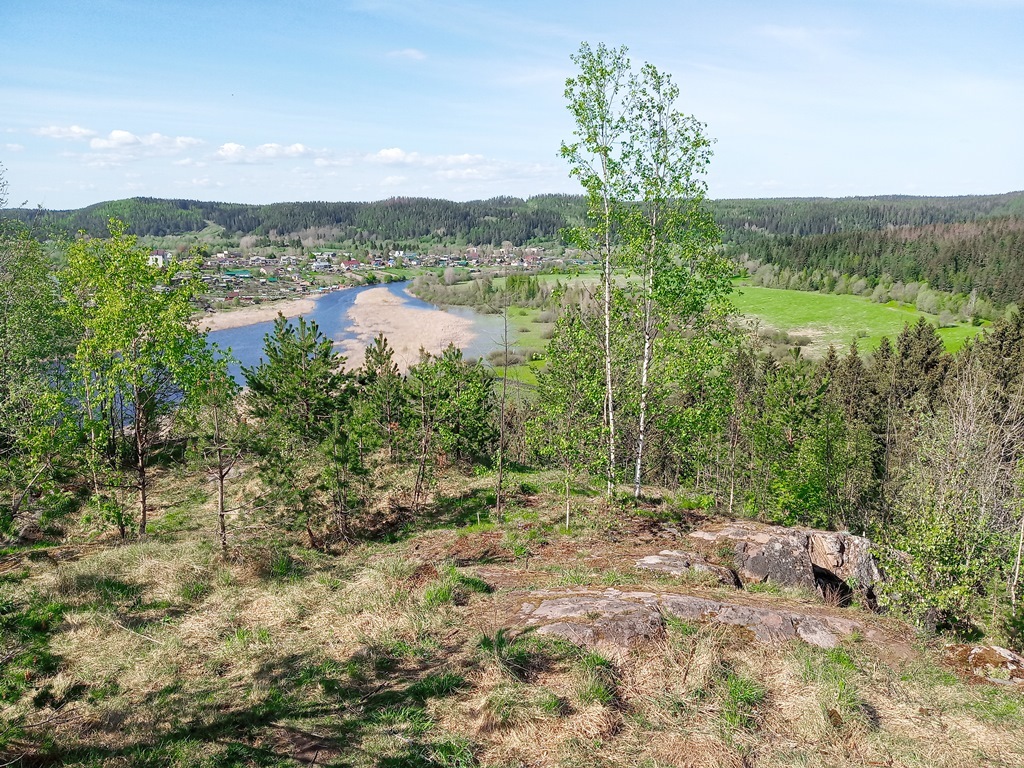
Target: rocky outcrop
(676,563)
(622,619)
(592,618)
(990,663)
(834,563)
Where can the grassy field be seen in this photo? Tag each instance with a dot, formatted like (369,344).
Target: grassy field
(407,651)
(817,319)
(826,319)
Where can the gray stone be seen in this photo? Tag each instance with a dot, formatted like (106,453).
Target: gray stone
(592,618)
(676,563)
(991,663)
(793,557)
(623,619)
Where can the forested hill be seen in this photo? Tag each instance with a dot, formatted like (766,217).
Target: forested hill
(400,219)
(516,220)
(955,244)
(825,216)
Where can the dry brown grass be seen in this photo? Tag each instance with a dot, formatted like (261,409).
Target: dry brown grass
(188,659)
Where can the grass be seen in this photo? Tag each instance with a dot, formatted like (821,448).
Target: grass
(161,653)
(815,320)
(826,319)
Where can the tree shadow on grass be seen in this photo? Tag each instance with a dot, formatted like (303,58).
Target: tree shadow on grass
(313,711)
(457,511)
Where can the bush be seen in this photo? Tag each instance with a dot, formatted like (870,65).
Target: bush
(499,359)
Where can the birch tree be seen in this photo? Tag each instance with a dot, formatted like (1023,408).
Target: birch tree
(668,233)
(598,98)
(139,356)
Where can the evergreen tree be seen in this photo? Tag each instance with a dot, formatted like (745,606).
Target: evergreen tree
(302,397)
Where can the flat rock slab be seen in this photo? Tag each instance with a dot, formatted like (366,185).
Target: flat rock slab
(677,563)
(622,619)
(990,663)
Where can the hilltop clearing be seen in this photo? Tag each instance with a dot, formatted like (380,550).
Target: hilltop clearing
(416,649)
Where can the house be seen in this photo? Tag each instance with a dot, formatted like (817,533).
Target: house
(159,258)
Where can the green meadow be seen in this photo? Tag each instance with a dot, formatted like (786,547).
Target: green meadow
(823,318)
(814,321)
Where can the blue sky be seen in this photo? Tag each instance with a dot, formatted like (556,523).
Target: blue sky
(367,99)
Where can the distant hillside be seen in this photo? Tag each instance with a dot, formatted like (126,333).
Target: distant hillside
(514,219)
(954,243)
(825,216)
(401,219)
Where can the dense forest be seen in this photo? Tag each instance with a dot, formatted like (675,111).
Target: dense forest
(401,219)
(986,256)
(516,220)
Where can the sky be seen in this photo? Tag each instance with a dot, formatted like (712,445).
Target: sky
(259,102)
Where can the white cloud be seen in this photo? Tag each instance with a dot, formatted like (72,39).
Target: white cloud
(71,132)
(449,160)
(393,156)
(398,156)
(14,147)
(116,140)
(155,142)
(414,54)
(271,151)
(392,181)
(325,162)
(232,152)
(120,146)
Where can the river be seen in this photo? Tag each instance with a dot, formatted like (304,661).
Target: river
(331,315)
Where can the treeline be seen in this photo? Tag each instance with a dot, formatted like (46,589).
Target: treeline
(401,219)
(824,216)
(517,220)
(954,244)
(986,256)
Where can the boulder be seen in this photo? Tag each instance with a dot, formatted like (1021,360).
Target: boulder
(619,620)
(676,563)
(834,563)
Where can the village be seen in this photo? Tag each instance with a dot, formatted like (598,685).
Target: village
(241,276)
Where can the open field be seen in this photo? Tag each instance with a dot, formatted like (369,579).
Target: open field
(825,319)
(819,319)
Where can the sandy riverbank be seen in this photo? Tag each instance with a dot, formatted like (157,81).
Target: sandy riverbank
(406,328)
(259,313)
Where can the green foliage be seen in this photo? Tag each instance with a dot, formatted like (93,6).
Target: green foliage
(596,679)
(452,587)
(741,697)
(139,356)
(451,413)
(299,385)
(309,455)
(956,509)
(1013,629)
